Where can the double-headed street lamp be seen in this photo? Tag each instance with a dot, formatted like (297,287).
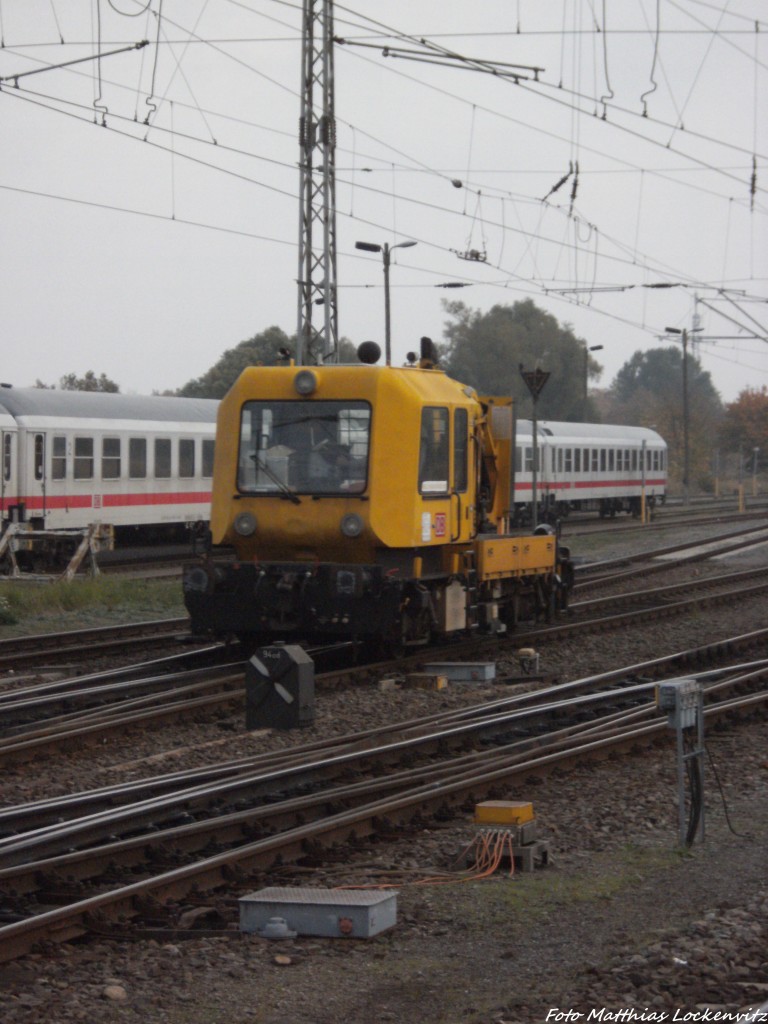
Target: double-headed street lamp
(386,252)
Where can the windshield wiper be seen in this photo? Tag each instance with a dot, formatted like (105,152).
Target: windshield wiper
(285,490)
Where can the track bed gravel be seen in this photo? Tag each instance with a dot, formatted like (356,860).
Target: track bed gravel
(621,919)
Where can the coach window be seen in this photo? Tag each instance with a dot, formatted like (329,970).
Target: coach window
(577,460)
(110,458)
(433,453)
(137,458)
(611,460)
(59,458)
(162,458)
(634,459)
(83,458)
(460,449)
(186,458)
(208,448)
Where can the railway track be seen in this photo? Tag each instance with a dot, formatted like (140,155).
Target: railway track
(664,517)
(198,831)
(664,559)
(29,652)
(65,713)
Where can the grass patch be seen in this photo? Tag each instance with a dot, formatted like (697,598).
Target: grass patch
(27,607)
(541,894)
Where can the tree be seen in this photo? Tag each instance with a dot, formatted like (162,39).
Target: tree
(648,391)
(745,424)
(262,349)
(89,382)
(485,350)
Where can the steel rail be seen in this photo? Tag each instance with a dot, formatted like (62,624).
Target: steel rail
(263,784)
(211,872)
(14,750)
(484,719)
(100,699)
(28,652)
(87,862)
(669,590)
(24,817)
(720,544)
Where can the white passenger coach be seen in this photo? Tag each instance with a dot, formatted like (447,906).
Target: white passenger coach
(72,458)
(589,467)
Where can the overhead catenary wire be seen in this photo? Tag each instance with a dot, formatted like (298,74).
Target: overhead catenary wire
(504,221)
(505,285)
(611,156)
(653,264)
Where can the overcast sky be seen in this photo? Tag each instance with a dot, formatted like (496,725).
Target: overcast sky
(149,200)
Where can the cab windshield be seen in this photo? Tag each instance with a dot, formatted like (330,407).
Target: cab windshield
(304,447)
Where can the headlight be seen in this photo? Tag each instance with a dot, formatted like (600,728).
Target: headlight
(352,525)
(245,524)
(305,382)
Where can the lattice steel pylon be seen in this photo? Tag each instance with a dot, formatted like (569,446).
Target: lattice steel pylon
(317,199)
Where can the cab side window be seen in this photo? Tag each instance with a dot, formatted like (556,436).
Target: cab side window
(433,453)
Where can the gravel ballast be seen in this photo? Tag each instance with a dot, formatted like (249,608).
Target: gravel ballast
(621,921)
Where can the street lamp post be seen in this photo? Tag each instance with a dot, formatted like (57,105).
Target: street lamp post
(386,252)
(534,381)
(684,337)
(587,350)
(755,453)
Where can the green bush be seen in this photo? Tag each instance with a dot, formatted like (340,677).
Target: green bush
(7,618)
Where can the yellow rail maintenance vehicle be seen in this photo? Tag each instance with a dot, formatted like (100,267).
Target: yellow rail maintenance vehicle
(370,503)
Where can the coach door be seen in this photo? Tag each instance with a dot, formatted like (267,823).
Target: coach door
(7,472)
(35,495)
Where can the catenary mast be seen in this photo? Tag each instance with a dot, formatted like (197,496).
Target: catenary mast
(317,342)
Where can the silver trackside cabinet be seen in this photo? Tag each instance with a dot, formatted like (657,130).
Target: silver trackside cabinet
(332,913)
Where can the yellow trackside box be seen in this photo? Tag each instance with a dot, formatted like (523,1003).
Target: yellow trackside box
(500,557)
(503,812)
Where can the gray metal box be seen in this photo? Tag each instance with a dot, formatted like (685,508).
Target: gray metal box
(463,671)
(279,688)
(333,913)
